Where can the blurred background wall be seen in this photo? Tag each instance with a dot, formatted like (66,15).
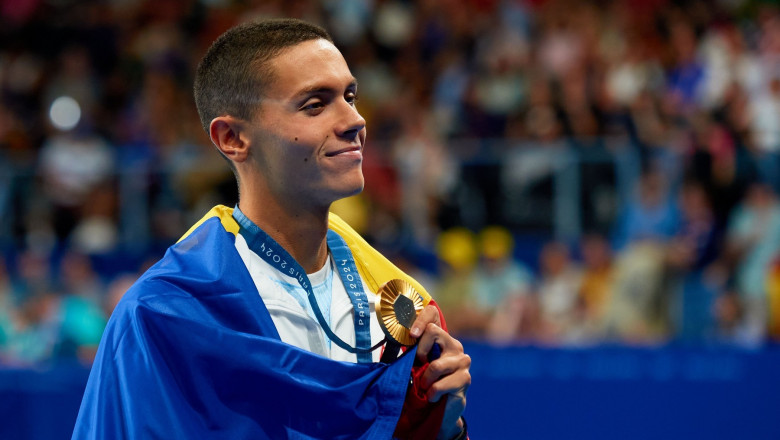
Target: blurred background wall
(588,188)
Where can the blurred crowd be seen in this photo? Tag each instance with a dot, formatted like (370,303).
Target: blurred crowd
(473,108)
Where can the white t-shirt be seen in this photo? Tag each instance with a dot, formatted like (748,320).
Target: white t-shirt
(286,301)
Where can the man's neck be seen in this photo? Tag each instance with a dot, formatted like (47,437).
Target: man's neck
(302,233)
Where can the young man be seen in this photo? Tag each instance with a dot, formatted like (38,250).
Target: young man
(258,323)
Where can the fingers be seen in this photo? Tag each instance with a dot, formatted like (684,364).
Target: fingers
(450,372)
(430,314)
(433,334)
(446,375)
(454,386)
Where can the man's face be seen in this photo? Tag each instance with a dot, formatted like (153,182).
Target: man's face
(308,137)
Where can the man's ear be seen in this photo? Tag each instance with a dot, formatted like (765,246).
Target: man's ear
(227,133)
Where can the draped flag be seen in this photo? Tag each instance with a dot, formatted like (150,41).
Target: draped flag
(192,352)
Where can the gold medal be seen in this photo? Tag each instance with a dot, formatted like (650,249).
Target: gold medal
(398,307)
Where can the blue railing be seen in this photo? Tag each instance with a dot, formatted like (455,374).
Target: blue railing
(563,219)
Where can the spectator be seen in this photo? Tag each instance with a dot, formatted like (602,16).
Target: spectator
(426,175)
(689,256)
(765,118)
(773,291)
(752,242)
(35,336)
(498,274)
(598,278)
(7,308)
(81,316)
(560,309)
(639,311)
(457,251)
(732,327)
(503,287)
(650,216)
(73,165)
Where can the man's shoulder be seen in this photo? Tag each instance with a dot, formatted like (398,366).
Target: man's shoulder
(199,263)
(219,213)
(155,291)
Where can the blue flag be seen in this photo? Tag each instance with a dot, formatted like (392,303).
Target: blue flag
(192,352)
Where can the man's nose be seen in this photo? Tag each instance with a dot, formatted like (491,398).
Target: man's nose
(351,123)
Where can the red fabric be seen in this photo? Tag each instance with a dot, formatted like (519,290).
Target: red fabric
(420,419)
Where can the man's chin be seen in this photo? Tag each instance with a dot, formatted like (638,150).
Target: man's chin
(357,189)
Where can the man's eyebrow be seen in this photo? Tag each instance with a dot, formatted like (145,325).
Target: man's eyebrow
(315,89)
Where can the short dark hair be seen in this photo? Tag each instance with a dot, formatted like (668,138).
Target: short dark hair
(235,69)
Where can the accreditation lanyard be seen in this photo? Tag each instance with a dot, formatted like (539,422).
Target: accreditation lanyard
(274,254)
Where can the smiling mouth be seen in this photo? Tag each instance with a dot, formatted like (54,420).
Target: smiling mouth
(342,151)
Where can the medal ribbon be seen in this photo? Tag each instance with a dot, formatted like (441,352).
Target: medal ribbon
(354,287)
(274,254)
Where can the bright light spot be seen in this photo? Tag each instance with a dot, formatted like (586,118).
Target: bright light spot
(65,113)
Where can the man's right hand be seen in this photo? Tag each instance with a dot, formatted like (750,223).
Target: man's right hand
(446,376)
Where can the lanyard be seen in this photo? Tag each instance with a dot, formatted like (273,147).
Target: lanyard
(274,254)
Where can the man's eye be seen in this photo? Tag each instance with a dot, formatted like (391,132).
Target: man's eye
(351,98)
(313,105)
